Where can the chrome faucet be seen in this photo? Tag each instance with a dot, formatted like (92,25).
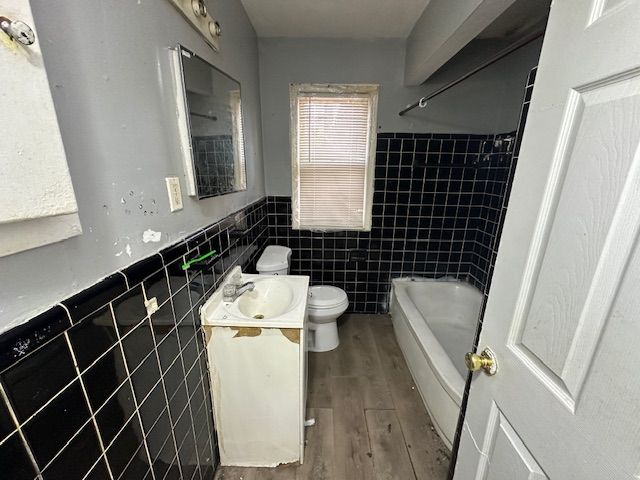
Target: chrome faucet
(231,296)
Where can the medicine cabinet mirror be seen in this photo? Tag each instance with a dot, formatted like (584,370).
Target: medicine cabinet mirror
(210,116)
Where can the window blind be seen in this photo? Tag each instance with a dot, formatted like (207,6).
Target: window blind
(332,157)
(238,136)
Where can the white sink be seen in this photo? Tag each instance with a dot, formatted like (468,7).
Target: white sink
(270,297)
(277,301)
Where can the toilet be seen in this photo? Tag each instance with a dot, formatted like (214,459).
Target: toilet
(275,260)
(326,303)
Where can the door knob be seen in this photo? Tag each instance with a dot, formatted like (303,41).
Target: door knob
(486,361)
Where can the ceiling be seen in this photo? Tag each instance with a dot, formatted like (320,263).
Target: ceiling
(522,17)
(334,18)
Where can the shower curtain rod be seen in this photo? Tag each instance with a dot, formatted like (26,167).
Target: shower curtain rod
(500,55)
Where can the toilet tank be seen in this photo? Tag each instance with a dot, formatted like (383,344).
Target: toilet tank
(275,260)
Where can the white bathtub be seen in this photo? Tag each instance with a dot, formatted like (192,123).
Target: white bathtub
(434,322)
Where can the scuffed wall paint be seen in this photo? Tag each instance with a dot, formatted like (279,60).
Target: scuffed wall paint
(151,236)
(110,76)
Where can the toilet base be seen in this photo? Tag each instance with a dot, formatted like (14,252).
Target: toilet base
(323,337)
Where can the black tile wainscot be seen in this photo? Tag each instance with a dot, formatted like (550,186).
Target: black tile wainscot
(436,207)
(488,245)
(98,388)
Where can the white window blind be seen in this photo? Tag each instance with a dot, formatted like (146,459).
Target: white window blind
(238,137)
(333,152)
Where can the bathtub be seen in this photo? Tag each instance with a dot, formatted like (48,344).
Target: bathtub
(434,322)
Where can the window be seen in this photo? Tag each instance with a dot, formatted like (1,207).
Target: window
(333,155)
(238,141)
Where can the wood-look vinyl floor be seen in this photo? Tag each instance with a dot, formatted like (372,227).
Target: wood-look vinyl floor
(370,420)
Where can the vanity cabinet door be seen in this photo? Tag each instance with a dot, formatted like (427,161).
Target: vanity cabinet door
(257,394)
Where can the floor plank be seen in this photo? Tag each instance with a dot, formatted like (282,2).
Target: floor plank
(374,392)
(357,357)
(351,440)
(390,457)
(380,319)
(283,472)
(356,354)
(235,473)
(319,451)
(429,456)
(319,383)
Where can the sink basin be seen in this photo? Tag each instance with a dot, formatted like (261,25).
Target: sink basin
(270,297)
(277,301)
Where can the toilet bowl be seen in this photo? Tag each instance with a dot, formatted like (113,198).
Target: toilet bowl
(325,305)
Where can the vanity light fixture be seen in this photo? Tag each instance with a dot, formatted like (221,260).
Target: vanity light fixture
(199,16)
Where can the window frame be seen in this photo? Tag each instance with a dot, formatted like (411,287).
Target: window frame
(296,90)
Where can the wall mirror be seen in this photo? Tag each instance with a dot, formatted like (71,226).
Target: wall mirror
(210,113)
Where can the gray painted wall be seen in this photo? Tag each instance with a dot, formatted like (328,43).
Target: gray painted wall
(110,74)
(485,103)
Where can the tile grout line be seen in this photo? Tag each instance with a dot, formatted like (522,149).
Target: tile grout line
(202,354)
(87,422)
(187,388)
(25,444)
(92,468)
(69,325)
(208,394)
(126,280)
(160,370)
(135,400)
(47,403)
(86,399)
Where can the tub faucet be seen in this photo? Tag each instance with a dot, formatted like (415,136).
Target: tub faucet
(231,296)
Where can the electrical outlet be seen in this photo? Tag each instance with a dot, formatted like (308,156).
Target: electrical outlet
(175,195)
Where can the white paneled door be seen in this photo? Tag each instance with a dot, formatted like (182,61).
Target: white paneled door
(563,316)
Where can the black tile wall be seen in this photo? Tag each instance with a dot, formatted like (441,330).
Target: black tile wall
(214,164)
(494,175)
(14,459)
(435,197)
(98,388)
(490,242)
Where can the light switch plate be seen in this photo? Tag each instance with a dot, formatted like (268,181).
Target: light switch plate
(175,195)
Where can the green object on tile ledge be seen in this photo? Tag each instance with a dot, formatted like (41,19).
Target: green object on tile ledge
(188,264)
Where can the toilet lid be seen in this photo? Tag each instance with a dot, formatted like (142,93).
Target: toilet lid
(325,296)
(273,258)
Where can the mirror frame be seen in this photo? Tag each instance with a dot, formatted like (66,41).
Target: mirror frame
(184,122)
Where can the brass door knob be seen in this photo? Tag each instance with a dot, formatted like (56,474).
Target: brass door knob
(486,361)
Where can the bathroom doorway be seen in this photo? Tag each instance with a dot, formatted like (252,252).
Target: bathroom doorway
(559,319)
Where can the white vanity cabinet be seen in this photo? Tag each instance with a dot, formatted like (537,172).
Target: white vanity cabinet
(258,375)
